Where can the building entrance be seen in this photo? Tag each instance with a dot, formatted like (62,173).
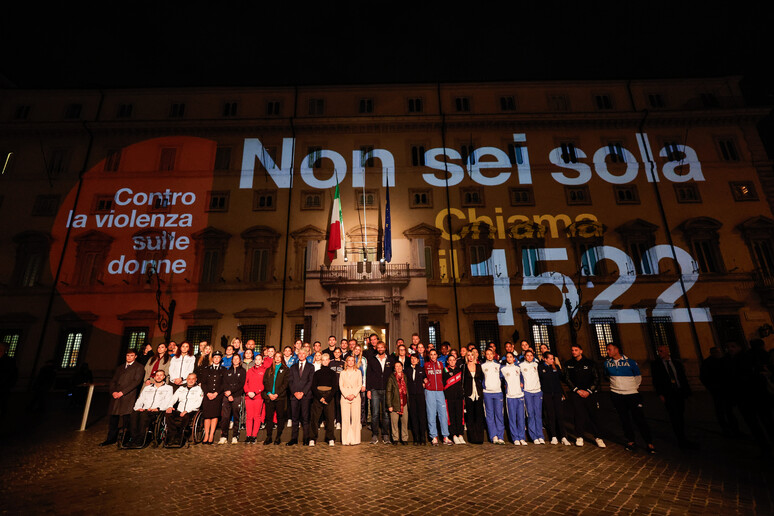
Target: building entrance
(361,334)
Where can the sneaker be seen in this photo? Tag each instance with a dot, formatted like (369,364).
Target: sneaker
(629,447)
(536,441)
(374,440)
(461,440)
(554,440)
(523,442)
(435,441)
(322,424)
(516,443)
(600,443)
(387,441)
(542,441)
(290,423)
(311,442)
(338,426)
(331,443)
(222,440)
(579,441)
(234,440)
(566,442)
(447,441)
(456,441)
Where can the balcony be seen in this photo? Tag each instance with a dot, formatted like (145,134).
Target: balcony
(392,273)
(764,286)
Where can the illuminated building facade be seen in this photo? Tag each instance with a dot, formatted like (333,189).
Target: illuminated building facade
(633,212)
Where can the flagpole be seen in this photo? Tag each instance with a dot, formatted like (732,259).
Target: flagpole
(365,224)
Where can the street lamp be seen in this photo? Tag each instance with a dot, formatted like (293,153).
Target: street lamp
(573,312)
(164,315)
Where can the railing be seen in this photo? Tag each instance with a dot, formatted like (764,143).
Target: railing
(763,279)
(360,272)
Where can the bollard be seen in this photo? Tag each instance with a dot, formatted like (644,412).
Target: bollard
(86,407)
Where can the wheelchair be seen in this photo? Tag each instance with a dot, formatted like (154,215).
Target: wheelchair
(193,433)
(152,436)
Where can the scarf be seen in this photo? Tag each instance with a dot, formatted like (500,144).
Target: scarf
(402,391)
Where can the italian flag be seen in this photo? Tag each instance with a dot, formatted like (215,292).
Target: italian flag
(336,232)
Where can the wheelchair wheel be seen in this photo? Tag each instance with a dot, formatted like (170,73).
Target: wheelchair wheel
(197,428)
(159,430)
(122,434)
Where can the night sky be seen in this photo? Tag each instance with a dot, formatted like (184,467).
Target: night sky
(182,44)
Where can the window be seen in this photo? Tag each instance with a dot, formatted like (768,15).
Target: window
(743,190)
(616,152)
(198,334)
(210,265)
(656,100)
(418,155)
(626,194)
(638,236)
(90,255)
(167,159)
(177,110)
(567,152)
(217,201)
(112,160)
(604,331)
(516,153)
(71,349)
(508,103)
(462,104)
(31,254)
(229,109)
(259,265)
(22,112)
(314,156)
(673,151)
(45,205)
(256,332)
(32,269)
(479,265)
(558,103)
(728,328)
(260,246)
(728,150)
(590,256)
(12,338)
(472,196)
(135,338)
(577,195)
(763,255)
(662,334)
(264,200)
(642,261)
(273,108)
(542,332)
(58,162)
(530,258)
(222,158)
(366,159)
(316,106)
(124,110)
(468,154)
(415,105)
(420,198)
(102,204)
(603,102)
(707,255)
(298,333)
(311,200)
(366,106)
(434,333)
(73,112)
(369,199)
(687,193)
(523,196)
(486,332)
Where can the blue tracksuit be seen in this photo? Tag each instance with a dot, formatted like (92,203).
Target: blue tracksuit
(493,399)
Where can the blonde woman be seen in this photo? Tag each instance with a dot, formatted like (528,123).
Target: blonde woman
(204,360)
(350,384)
(237,345)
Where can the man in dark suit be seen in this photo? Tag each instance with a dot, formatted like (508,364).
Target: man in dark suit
(123,390)
(672,387)
(300,385)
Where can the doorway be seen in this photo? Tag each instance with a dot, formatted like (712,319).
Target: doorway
(361,334)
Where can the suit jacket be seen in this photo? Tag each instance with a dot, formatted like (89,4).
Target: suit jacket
(301,383)
(662,381)
(376,377)
(126,380)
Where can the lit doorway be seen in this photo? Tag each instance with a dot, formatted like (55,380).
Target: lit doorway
(361,334)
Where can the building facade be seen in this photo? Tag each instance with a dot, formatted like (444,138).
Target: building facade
(627,211)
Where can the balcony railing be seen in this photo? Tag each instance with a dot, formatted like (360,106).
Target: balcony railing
(763,279)
(392,273)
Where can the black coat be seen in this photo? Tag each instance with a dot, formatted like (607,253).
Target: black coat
(415,386)
(301,383)
(662,381)
(453,391)
(376,377)
(469,381)
(282,382)
(325,377)
(234,381)
(126,380)
(213,379)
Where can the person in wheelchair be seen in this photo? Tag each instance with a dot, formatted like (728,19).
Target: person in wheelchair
(153,399)
(183,406)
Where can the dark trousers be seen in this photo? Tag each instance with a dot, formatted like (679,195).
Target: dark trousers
(629,408)
(454,409)
(138,424)
(675,406)
(474,420)
(724,412)
(275,407)
(228,410)
(299,414)
(553,415)
(113,421)
(176,425)
(363,409)
(584,412)
(379,412)
(418,417)
(327,410)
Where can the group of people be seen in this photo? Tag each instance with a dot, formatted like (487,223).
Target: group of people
(443,396)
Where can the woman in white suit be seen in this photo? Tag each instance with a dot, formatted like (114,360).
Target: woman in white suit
(350,382)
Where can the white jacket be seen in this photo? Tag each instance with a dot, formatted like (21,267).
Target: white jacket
(187,400)
(181,367)
(512,375)
(491,371)
(153,397)
(529,371)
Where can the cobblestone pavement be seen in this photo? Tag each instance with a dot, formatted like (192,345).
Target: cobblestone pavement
(52,468)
